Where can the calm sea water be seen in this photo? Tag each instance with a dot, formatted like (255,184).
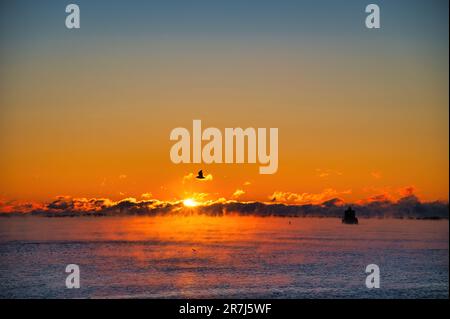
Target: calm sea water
(229,257)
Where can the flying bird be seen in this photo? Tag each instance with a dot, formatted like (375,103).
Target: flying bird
(200,175)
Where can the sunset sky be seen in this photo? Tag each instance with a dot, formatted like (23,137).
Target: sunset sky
(88,112)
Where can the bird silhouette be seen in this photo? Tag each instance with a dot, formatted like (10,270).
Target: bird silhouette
(200,175)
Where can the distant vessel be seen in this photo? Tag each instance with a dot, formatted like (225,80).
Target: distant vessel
(349,217)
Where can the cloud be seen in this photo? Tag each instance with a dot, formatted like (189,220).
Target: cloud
(247,183)
(380,207)
(387,194)
(66,203)
(189,177)
(327,172)
(208,177)
(378,198)
(376,175)
(122,176)
(407,191)
(238,193)
(333,202)
(146,195)
(198,196)
(21,207)
(307,198)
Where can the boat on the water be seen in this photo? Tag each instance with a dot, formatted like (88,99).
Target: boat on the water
(350,217)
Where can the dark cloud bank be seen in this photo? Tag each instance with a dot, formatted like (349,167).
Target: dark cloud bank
(406,207)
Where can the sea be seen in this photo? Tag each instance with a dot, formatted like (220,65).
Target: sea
(230,256)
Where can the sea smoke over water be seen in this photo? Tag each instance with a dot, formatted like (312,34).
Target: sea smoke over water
(406,207)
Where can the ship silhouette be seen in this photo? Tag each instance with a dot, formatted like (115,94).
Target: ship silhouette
(200,175)
(350,217)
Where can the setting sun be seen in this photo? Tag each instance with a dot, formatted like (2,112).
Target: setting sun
(190,202)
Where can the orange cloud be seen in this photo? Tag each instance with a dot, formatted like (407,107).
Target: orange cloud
(406,207)
(377,198)
(198,196)
(238,193)
(376,175)
(307,198)
(406,191)
(387,194)
(19,206)
(327,172)
(189,177)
